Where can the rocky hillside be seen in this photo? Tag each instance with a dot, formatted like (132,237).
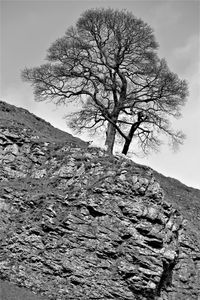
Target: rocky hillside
(17,119)
(78,224)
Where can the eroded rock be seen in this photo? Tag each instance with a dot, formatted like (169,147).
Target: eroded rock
(78,224)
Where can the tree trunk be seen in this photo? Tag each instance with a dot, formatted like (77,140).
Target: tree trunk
(126,146)
(128,140)
(111,131)
(110,138)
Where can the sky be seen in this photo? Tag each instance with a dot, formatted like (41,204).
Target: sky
(28,28)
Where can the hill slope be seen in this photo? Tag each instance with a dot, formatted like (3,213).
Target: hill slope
(79,224)
(186,199)
(17,118)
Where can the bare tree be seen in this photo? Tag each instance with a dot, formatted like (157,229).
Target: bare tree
(108,64)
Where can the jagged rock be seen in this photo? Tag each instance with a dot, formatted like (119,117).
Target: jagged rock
(79,224)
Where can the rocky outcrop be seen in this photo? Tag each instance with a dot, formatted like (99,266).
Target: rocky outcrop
(79,224)
(186,274)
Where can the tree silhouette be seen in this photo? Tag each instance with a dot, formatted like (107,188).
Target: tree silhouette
(108,63)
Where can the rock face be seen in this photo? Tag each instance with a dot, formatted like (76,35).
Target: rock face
(186,274)
(76,223)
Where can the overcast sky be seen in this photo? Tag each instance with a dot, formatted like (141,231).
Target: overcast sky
(29,27)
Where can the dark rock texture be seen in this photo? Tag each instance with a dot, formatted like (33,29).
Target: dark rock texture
(76,223)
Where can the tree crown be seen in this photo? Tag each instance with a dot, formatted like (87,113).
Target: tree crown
(108,62)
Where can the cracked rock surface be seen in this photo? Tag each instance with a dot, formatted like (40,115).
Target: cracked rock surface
(76,223)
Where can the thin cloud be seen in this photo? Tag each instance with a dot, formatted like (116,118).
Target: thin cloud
(186,57)
(164,15)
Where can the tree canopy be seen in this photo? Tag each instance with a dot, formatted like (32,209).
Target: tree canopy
(108,63)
